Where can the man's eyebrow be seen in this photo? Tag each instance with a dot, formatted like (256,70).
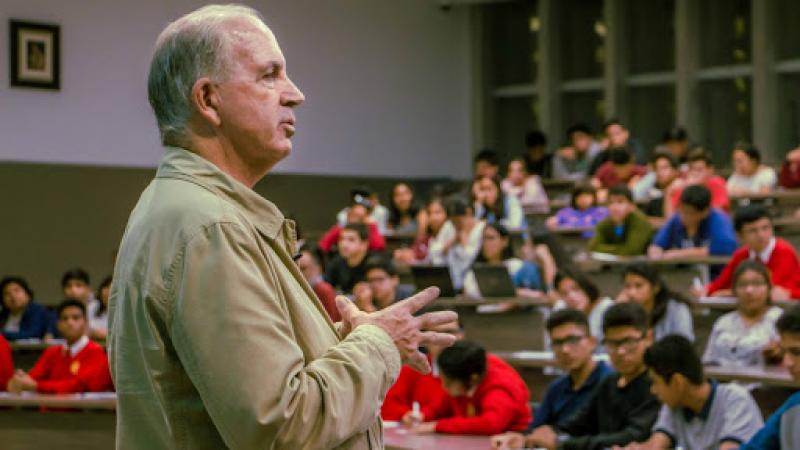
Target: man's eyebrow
(272,66)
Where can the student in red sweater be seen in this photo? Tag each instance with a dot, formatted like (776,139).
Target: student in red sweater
(359,212)
(6,363)
(701,171)
(486,395)
(755,230)
(411,386)
(79,365)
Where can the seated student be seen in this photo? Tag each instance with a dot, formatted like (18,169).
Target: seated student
(668,311)
(97,311)
(485,395)
(700,171)
(405,215)
(676,139)
(312,272)
(359,212)
(537,160)
(462,250)
(6,363)
(583,211)
(379,214)
(75,285)
(486,164)
(749,175)
(573,346)
(626,231)
(621,408)
(619,169)
(526,188)
(696,230)
(697,413)
(348,267)
(79,365)
(577,291)
(429,247)
(746,336)
(790,170)
(492,205)
(496,249)
(754,226)
(413,387)
(572,162)
(781,430)
(21,317)
(381,286)
(650,188)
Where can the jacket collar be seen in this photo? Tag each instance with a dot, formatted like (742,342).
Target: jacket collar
(179,163)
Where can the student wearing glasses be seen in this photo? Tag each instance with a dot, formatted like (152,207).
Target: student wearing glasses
(595,425)
(381,287)
(573,346)
(698,413)
(747,336)
(782,430)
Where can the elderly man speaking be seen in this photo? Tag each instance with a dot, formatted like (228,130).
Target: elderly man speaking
(217,341)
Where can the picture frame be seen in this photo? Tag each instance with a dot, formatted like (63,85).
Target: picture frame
(35,55)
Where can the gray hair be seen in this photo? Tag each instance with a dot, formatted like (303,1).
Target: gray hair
(194,46)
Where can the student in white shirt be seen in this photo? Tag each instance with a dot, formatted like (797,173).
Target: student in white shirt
(462,250)
(668,311)
(97,311)
(747,336)
(749,175)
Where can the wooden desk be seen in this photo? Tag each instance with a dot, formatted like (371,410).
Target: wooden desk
(774,376)
(32,345)
(89,400)
(729,303)
(397,438)
(452,302)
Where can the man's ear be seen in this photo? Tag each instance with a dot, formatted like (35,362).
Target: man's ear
(206,101)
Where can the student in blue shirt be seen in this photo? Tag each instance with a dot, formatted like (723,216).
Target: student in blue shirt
(695,230)
(20,317)
(573,346)
(782,429)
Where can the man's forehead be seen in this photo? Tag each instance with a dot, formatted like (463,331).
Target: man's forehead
(255,41)
(623,332)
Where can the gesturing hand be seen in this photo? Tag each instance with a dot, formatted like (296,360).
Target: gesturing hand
(407,331)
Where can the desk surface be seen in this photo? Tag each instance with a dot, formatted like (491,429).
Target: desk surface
(89,400)
(33,344)
(466,301)
(729,303)
(397,438)
(604,259)
(775,376)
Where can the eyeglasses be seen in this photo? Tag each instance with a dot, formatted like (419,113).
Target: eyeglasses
(626,343)
(751,284)
(569,340)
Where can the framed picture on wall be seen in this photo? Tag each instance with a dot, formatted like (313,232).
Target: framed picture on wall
(35,55)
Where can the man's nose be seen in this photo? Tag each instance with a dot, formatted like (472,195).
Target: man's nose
(293,95)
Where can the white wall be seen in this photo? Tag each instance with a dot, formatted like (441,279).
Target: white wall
(386,82)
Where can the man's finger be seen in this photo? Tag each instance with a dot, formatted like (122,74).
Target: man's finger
(345,306)
(436,318)
(419,362)
(419,300)
(439,339)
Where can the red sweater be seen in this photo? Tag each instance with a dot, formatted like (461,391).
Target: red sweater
(790,175)
(783,266)
(412,386)
(6,363)
(500,404)
(719,194)
(57,372)
(376,241)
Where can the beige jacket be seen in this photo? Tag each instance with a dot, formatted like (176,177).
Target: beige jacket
(217,341)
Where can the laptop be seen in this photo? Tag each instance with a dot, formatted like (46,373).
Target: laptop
(494,280)
(439,276)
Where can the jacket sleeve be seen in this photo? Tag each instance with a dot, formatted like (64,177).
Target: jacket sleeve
(497,414)
(788,276)
(233,333)
(640,420)
(376,240)
(723,238)
(41,370)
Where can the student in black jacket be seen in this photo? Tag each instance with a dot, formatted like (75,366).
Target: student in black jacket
(621,410)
